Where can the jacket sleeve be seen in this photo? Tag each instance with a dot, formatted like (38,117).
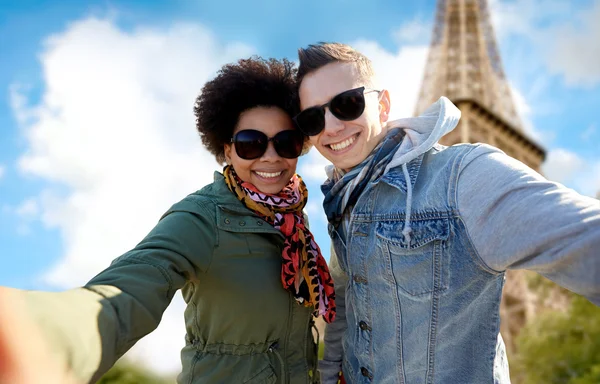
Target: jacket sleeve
(331,365)
(89,328)
(517,219)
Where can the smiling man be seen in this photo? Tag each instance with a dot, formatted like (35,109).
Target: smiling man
(422,234)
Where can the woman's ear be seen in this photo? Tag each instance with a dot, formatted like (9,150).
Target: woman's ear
(227,152)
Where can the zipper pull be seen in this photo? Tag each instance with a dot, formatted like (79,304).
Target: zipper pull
(273,347)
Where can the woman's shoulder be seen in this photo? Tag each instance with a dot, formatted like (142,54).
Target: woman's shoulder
(205,200)
(199,203)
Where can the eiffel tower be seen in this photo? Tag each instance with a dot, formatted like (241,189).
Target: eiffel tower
(464,65)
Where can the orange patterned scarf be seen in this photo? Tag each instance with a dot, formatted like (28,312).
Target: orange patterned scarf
(304,271)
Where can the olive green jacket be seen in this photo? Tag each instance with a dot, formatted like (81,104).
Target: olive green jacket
(241,325)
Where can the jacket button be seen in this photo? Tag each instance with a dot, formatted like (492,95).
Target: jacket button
(359,279)
(242,223)
(365,372)
(364,326)
(227,221)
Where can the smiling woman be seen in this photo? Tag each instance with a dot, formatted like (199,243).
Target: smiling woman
(268,167)
(240,245)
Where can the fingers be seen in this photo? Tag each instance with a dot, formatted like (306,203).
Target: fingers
(24,356)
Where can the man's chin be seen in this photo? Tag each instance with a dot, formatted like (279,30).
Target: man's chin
(345,161)
(345,164)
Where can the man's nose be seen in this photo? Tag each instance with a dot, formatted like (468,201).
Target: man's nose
(333,125)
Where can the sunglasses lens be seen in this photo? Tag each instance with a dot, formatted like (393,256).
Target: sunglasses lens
(311,121)
(288,144)
(250,144)
(348,105)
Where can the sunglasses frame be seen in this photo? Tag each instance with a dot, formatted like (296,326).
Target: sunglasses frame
(268,140)
(363,91)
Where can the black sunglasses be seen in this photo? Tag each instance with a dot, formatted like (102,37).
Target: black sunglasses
(346,106)
(251,144)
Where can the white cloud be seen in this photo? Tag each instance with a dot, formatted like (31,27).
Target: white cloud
(523,109)
(23,215)
(593,184)
(27,211)
(312,166)
(315,212)
(572,170)
(115,127)
(526,116)
(415,31)
(575,52)
(28,208)
(2,170)
(562,165)
(525,18)
(550,34)
(312,169)
(588,183)
(401,73)
(18,103)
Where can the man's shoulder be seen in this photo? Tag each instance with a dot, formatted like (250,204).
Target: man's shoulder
(464,152)
(463,148)
(451,160)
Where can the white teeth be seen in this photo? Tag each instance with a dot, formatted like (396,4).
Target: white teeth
(268,174)
(343,144)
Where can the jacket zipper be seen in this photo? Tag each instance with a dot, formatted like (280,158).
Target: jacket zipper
(274,348)
(315,346)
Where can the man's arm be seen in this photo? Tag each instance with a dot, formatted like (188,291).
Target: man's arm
(517,219)
(331,365)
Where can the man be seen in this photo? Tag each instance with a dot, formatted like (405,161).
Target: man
(422,234)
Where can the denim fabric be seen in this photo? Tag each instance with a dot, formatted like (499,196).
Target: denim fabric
(427,310)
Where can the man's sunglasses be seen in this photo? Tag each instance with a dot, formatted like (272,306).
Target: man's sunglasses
(251,144)
(346,106)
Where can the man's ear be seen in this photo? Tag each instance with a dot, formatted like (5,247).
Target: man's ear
(384,106)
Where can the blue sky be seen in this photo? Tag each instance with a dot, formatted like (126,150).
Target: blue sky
(96,130)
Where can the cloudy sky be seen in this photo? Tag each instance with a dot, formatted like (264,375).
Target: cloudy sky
(97,134)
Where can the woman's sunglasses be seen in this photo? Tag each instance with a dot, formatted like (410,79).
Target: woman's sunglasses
(251,144)
(346,106)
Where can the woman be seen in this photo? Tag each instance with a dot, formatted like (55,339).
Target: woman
(239,250)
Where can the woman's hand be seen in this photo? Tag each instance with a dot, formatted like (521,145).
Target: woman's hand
(25,357)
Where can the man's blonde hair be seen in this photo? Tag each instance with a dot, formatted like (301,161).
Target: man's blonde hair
(316,56)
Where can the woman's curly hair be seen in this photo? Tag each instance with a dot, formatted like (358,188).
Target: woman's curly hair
(249,83)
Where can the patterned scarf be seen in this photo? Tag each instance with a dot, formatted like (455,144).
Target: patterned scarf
(342,190)
(304,271)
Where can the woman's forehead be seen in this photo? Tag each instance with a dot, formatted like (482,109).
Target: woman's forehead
(264,119)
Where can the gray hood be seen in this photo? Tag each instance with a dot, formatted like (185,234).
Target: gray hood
(422,132)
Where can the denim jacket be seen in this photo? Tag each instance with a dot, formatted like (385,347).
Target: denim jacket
(426,309)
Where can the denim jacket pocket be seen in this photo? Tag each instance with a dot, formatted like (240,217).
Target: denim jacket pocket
(418,267)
